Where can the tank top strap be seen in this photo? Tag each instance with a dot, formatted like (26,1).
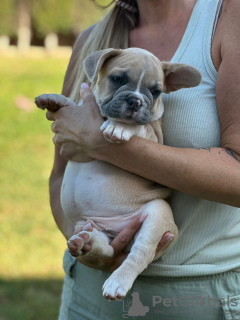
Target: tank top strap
(218,13)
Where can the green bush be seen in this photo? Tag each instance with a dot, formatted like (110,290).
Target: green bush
(61,16)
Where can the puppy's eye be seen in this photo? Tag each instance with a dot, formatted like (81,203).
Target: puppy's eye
(117,79)
(156,93)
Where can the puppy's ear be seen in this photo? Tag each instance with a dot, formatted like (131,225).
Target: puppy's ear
(179,75)
(94,62)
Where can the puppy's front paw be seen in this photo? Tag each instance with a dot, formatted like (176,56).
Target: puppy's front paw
(117,285)
(116,132)
(53,102)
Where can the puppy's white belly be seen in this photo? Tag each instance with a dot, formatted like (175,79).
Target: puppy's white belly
(96,190)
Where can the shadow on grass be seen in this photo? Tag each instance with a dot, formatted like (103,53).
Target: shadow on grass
(30,299)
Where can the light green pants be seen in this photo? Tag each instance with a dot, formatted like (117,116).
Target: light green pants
(215,297)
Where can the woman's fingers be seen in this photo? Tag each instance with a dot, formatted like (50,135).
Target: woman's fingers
(51,116)
(54,127)
(86,92)
(88,227)
(127,234)
(165,241)
(76,129)
(90,101)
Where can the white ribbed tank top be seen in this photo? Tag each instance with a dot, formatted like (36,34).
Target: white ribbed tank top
(209,232)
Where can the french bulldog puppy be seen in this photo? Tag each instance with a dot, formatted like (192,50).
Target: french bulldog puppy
(128,93)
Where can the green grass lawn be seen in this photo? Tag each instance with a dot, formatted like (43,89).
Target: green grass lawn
(31,247)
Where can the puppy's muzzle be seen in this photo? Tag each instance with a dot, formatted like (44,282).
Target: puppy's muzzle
(129,106)
(134,104)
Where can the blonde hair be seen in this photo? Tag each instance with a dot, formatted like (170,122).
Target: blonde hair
(110,32)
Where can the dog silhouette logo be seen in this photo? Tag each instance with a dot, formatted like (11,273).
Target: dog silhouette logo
(137,308)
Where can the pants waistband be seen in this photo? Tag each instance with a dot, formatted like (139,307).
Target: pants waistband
(209,277)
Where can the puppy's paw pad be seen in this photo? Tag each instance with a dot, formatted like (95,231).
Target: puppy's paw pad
(107,136)
(85,236)
(53,102)
(113,134)
(77,242)
(107,129)
(47,101)
(75,245)
(116,138)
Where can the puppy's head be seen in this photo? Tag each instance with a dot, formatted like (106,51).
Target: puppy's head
(130,83)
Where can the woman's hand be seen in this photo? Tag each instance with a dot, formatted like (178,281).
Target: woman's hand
(119,244)
(77,129)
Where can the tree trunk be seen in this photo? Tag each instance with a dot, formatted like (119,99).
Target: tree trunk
(51,41)
(4,42)
(24,25)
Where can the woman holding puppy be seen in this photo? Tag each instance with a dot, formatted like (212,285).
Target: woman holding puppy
(199,275)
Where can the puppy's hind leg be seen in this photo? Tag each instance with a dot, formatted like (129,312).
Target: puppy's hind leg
(99,242)
(143,251)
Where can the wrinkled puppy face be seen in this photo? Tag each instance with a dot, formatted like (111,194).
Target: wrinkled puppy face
(130,83)
(129,87)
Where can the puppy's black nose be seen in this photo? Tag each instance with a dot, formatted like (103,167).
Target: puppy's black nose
(134,103)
